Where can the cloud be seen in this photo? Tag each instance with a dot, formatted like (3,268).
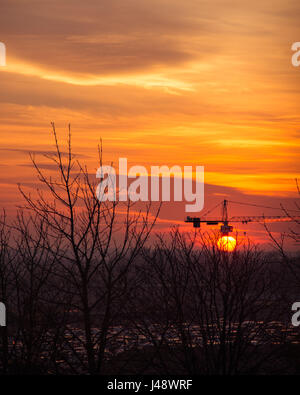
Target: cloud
(162,81)
(102,38)
(40,152)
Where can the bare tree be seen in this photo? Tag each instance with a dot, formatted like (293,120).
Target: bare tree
(98,242)
(289,261)
(36,318)
(7,257)
(205,310)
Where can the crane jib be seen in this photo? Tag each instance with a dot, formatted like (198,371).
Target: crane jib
(224,221)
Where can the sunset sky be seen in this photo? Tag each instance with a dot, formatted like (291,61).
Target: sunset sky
(162,82)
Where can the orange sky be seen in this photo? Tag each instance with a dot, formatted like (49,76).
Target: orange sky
(162,82)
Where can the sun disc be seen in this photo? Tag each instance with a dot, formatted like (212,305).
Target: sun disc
(226,243)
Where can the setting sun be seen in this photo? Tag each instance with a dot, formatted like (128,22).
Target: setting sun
(226,243)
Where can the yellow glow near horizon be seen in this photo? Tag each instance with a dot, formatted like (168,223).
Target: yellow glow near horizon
(226,243)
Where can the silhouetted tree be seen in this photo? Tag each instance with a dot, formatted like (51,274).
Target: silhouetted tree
(98,242)
(205,310)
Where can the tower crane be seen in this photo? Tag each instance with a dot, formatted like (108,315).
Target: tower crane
(226,228)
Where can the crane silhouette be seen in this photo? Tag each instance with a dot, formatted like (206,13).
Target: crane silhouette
(226,228)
